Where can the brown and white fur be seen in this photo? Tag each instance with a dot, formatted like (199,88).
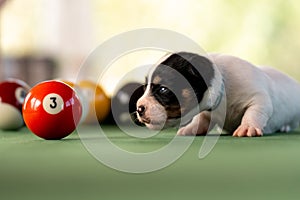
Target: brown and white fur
(258,100)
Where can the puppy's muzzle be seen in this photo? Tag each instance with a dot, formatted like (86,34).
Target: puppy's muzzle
(141,110)
(151,113)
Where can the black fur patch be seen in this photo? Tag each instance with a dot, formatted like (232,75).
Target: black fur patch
(168,99)
(184,71)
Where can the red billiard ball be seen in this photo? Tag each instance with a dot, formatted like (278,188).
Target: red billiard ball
(12,95)
(52,110)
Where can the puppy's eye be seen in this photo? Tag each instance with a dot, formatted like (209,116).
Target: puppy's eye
(163,90)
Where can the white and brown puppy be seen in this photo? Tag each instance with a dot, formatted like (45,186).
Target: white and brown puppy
(257,100)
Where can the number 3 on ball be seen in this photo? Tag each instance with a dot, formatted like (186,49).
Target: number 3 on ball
(53,103)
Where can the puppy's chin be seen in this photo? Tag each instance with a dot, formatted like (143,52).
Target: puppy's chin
(160,125)
(155,126)
(153,123)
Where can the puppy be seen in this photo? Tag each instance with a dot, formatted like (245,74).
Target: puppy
(257,100)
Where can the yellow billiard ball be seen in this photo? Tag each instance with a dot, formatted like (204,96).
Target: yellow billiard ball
(99,102)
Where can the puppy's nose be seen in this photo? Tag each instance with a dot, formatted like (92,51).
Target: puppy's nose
(141,110)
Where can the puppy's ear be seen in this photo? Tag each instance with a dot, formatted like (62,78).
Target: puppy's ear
(196,70)
(200,66)
(193,71)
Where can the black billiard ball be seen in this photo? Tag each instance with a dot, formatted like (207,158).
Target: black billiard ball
(124,104)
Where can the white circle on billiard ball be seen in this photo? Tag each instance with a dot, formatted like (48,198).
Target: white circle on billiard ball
(53,103)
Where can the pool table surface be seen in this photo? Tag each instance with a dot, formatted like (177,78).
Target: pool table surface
(237,168)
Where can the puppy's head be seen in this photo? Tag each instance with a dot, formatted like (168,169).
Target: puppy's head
(174,87)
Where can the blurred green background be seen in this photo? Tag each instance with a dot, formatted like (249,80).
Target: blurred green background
(265,32)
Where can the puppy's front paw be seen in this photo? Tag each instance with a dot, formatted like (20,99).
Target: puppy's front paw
(184,131)
(247,131)
(198,126)
(191,131)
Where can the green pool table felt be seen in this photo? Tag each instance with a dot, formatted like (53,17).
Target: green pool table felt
(237,168)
